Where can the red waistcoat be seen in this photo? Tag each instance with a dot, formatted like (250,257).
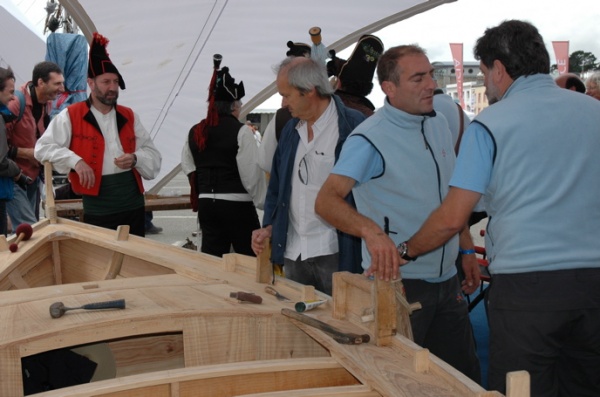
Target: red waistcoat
(88,142)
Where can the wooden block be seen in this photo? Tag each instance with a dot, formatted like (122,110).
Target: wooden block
(307,293)
(123,233)
(421,361)
(340,289)
(518,384)
(384,304)
(264,267)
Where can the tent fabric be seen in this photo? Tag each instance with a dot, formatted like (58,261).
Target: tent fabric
(164,50)
(69,51)
(21,49)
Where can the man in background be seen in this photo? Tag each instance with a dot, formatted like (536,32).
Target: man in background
(104,148)
(570,81)
(309,248)
(46,84)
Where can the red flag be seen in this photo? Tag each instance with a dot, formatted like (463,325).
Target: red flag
(457,56)
(561,51)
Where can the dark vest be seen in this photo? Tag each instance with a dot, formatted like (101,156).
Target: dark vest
(216,166)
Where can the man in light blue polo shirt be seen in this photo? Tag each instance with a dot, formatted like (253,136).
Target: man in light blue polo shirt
(397,164)
(533,154)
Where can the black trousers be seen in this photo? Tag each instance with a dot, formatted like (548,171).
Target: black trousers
(134,218)
(227,223)
(442,325)
(547,323)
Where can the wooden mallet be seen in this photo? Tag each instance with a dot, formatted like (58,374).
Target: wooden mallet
(23,232)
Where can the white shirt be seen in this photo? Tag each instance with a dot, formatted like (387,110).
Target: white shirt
(267,148)
(253,178)
(54,144)
(309,235)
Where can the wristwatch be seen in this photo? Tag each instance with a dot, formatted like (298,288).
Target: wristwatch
(403,251)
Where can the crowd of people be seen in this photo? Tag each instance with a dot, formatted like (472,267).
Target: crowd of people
(388,193)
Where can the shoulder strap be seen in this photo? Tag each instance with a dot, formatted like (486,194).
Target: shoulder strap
(19,94)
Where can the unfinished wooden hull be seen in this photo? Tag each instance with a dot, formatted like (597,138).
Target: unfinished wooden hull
(182,334)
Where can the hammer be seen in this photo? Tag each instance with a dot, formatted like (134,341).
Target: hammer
(57,309)
(23,232)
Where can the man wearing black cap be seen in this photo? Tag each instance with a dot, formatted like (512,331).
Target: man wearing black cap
(220,158)
(110,153)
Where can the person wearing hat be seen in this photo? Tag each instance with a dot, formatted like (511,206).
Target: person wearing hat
(220,159)
(355,76)
(111,153)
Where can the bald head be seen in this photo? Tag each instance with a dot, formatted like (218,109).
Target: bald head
(570,81)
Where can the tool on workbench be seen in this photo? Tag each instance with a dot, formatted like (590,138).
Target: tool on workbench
(58,309)
(246,297)
(346,338)
(272,291)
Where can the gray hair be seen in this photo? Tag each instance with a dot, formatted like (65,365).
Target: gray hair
(594,78)
(304,74)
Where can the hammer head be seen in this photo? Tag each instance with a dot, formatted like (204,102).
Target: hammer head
(57,309)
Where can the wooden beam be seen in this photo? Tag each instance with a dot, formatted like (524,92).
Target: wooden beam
(16,280)
(57,268)
(50,206)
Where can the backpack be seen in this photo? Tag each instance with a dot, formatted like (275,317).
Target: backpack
(8,115)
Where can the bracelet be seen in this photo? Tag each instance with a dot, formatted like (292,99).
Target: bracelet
(134,160)
(466,252)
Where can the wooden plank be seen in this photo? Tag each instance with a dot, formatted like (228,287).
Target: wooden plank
(222,380)
(339,391)
(56,263)
(74,207)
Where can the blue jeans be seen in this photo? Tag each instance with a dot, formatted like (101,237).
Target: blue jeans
(21,208)
(3,217)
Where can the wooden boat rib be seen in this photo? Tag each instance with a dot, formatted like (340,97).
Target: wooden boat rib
(183,334)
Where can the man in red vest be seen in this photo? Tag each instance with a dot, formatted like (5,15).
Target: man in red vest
(109,152)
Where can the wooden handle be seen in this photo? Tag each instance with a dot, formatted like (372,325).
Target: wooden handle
(246,297)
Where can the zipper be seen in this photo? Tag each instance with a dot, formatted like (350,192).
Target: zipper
(439,179)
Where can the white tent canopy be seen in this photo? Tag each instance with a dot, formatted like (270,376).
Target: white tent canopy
(21,49)
(164,50)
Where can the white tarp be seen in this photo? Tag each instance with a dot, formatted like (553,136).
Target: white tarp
(164,50)
(20,48)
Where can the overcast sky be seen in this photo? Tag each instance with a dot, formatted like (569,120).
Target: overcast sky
(463,21)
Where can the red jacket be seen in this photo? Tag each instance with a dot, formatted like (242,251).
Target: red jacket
(25,132)
(88,142)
